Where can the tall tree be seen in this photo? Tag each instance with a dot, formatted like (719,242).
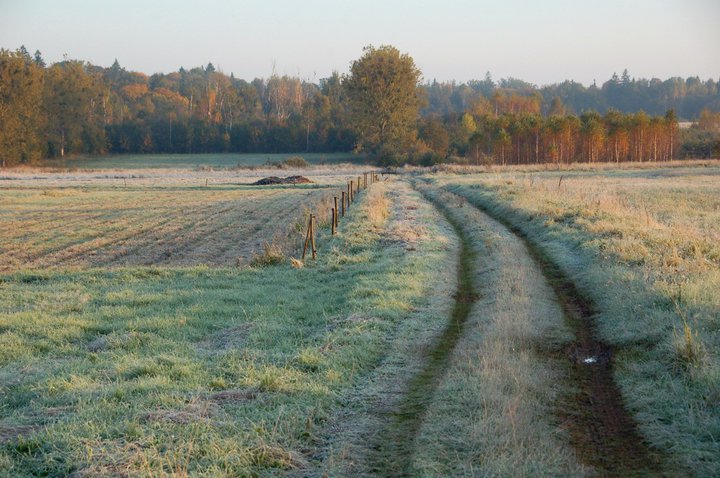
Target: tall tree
(21,82)
(385,101)
(73,109)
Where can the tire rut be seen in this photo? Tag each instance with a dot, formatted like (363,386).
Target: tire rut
(393,452)
(603,432)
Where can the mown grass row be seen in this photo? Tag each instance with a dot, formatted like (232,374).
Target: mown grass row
(363,438)
(207,372)
(110,226)
(640,244)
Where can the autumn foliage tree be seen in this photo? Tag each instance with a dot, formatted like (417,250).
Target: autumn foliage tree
(385,101)
(73,108)
(21,119)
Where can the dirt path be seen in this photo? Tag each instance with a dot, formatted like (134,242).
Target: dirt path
(604,434)
(395,445)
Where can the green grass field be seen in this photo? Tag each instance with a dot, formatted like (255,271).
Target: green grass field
(147,371)
(146,330)
(195,161)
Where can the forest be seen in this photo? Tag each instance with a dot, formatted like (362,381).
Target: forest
(76,108)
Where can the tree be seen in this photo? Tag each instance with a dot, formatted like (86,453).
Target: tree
(21,83)
(38,59)
(593,133)
(502,141)
(71,103)
(557,107)
(384,99)
(617,133)
(435,136)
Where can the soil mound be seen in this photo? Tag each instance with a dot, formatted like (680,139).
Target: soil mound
(277,180)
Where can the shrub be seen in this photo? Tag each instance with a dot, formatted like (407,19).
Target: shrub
(271,255)
(295,162)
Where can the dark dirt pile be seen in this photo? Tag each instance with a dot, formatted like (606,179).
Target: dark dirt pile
(277,180)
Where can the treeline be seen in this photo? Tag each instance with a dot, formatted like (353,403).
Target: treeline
(73,107)
(686,96)
(521,138)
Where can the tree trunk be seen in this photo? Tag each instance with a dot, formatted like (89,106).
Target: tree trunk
(655,147)
(617,152)
(307,137)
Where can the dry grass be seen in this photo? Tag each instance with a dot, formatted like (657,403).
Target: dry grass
(546,167)
(271,255)
(198,371)
(353,429)
(645,246)
(165,226)
(493,413)
(377,205)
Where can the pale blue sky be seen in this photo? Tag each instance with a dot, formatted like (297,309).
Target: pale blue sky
(539,41)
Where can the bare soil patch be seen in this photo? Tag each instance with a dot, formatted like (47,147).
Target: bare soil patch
(278,180)
(233,396)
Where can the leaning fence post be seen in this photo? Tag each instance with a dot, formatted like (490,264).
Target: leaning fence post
(312,236)
(307,237)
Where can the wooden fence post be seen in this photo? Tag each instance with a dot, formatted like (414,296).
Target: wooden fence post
(312,236)
(352,191)
(358,185)
(332,220)
(307,237)
(335,216)
(343,204)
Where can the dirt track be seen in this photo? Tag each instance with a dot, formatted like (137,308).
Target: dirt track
(604,434)
(395,448)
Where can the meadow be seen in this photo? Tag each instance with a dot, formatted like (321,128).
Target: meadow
(161,323)
(196,161)
(643,247)
(153,225)
(190,367)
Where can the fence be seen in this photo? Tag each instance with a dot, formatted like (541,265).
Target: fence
(347,197)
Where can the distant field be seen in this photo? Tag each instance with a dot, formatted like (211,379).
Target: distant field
(168,225)
(192,161)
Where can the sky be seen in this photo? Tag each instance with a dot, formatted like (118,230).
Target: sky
(542,42)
